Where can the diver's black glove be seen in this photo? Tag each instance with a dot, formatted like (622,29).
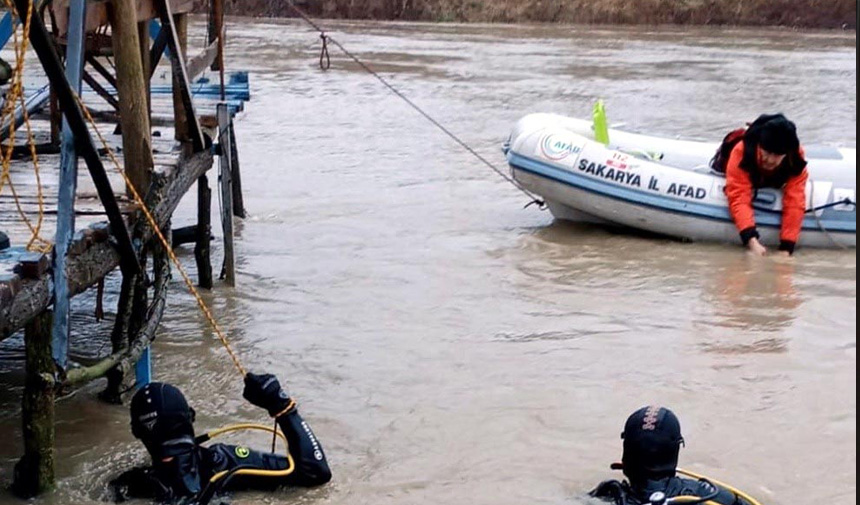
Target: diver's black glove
(139,483)
(265,391)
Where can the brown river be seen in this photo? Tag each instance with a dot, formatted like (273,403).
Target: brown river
(449,346)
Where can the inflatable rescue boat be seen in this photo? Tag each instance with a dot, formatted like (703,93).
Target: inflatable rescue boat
(665,186)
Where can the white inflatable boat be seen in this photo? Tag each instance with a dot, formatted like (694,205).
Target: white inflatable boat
(664,186)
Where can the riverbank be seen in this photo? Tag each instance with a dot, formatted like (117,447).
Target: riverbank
(790,13)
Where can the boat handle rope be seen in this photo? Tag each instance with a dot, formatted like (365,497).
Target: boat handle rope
(535,200)
(814,210)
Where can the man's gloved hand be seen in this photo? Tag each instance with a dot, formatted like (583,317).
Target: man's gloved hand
(265,391)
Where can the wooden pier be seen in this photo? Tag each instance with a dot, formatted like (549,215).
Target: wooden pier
(69,228)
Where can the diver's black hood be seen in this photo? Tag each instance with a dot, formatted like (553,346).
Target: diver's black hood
(652,441)
(162,420)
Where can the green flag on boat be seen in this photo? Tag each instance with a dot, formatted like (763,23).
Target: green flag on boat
(601,129)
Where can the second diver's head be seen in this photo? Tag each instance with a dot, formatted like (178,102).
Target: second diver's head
(652,441)
(163,421)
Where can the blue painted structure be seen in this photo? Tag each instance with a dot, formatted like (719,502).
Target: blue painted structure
(7,24)
(143,368)
(67,188)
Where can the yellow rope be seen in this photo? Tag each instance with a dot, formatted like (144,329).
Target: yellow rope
(39,196)
(291,466)
(14,96)
(146,212)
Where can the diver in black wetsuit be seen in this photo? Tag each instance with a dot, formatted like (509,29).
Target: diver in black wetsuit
(652,441)
(185,472)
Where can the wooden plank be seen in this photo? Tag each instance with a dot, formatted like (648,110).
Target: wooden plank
(100,258)
(96,64)
(144,10)
(102,92)
(228,272)
(205,58)
(44,48)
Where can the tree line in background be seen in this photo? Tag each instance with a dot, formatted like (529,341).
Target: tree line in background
(793,13)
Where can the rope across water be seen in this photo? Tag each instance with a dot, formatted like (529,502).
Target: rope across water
(325,63)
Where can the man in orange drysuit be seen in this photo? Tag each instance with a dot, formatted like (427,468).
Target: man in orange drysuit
(769,156)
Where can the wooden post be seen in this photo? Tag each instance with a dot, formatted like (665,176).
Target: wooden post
(56,118)
(143,37)
(204,229)
(131,87)
(238,201)
(34,473)
(216,31)
(119,336)
(228,271)
(130,318)
(180,115)
(180,73)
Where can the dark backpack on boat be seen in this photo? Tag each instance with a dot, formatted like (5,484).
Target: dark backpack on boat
(721,157)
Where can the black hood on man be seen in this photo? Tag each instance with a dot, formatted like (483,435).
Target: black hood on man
(652,440)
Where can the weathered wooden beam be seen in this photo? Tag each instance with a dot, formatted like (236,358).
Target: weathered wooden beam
(205,58)
(119,340)
(181,126)
(145,62)
(157,50)
(228,271)
(32,104)
(33,265)
(34,473)
(216,30)
(56,117)
(101,91)
(41,41)
(96,64)
(184,235)
(181,82)
(202,249)
(131,88)
(238,199)
(98,258)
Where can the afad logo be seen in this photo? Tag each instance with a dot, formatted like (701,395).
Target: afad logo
(556,148)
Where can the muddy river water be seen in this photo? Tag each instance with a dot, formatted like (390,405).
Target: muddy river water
(449,346)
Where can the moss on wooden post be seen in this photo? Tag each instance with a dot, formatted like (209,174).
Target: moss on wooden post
(34,473)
